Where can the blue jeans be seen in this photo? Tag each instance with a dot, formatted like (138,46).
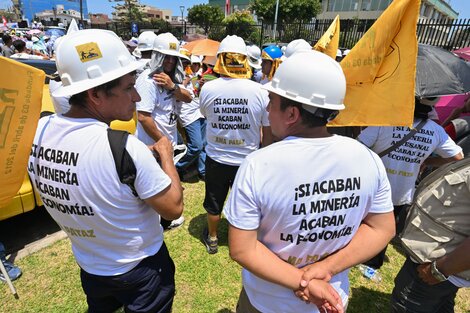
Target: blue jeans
(196,143)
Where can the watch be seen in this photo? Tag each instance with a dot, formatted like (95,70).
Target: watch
(436,273)
(175,87)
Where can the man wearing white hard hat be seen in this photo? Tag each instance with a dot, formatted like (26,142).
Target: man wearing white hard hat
(254,59)
(115,233)
(144,45)
(162,91)
(311,200)
(235,109)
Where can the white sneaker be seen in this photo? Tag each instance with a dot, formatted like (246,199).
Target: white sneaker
(176,223)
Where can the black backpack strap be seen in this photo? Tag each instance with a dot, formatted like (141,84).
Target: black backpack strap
(403,140)
(124,164)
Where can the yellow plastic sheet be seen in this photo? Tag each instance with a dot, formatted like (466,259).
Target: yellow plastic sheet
(380,70)
(21,88)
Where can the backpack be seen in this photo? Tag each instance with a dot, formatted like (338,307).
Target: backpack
(439,218)
(125,166)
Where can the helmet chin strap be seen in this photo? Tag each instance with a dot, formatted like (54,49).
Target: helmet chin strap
(329,115)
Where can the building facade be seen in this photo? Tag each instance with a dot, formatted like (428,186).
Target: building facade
(235,5)
(372,9)
(29,8)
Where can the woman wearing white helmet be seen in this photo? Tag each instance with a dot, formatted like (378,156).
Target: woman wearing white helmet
(312,200)
(115,239)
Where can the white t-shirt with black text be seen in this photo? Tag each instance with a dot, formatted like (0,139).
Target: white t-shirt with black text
(72,168)
(162,106)
(235,110)
(306,197)
(403,164)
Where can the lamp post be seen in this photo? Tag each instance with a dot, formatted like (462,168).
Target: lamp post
(182,19)
(275,19)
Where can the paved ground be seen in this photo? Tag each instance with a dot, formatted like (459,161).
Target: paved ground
(28,232)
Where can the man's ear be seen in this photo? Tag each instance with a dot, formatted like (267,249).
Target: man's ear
(292,115)
(94,96)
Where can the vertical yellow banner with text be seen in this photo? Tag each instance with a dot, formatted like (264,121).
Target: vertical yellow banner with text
(21,88)
(329,42)
(380,70)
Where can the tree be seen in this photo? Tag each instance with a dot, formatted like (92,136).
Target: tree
(241,23)
(205,16)
(289,10)
(129,11)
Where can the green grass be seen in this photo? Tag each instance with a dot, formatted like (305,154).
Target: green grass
(205,283)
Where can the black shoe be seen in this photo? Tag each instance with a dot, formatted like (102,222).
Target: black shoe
(211,245)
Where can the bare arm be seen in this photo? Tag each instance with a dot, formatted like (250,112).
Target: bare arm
(267,136)
(169,202)
(372,236)
(455,262)
(147,122)
(438,161)
(456,113)
(165,81)
(254,256)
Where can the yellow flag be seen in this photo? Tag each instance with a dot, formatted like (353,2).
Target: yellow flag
(329,42)
(380,70)
(21,88)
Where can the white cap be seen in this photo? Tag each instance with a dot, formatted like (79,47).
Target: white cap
(90,58)
(339,53)
(311,78)
(145,41)
(345,52)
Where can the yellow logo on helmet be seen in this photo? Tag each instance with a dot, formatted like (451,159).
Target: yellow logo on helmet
(172,46)
(89,51)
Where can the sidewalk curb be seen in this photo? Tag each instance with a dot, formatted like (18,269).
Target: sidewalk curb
(38,245)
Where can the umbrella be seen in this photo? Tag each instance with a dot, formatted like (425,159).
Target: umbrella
(464,53)
(440,72)
(34,31)
(203,47)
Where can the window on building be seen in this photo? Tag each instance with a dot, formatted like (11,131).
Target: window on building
(384,4)
(366,4)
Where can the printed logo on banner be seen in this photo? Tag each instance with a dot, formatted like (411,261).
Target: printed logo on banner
(6,112)
(89,51)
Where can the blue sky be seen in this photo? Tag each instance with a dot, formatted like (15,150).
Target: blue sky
(104,6)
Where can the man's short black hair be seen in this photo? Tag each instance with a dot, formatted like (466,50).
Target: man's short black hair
(319,118)
(80,98)
(19,45)
(6,39)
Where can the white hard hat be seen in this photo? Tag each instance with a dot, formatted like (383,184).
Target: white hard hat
(167,43)
(345,52)
(89,58)
(297,45)
(254,56)
(145,41)
(339,54)
(311,78)
(232,44)
(196,59)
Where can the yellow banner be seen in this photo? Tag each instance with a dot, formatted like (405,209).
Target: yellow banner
(380,70)
(21,88)
(329,42)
